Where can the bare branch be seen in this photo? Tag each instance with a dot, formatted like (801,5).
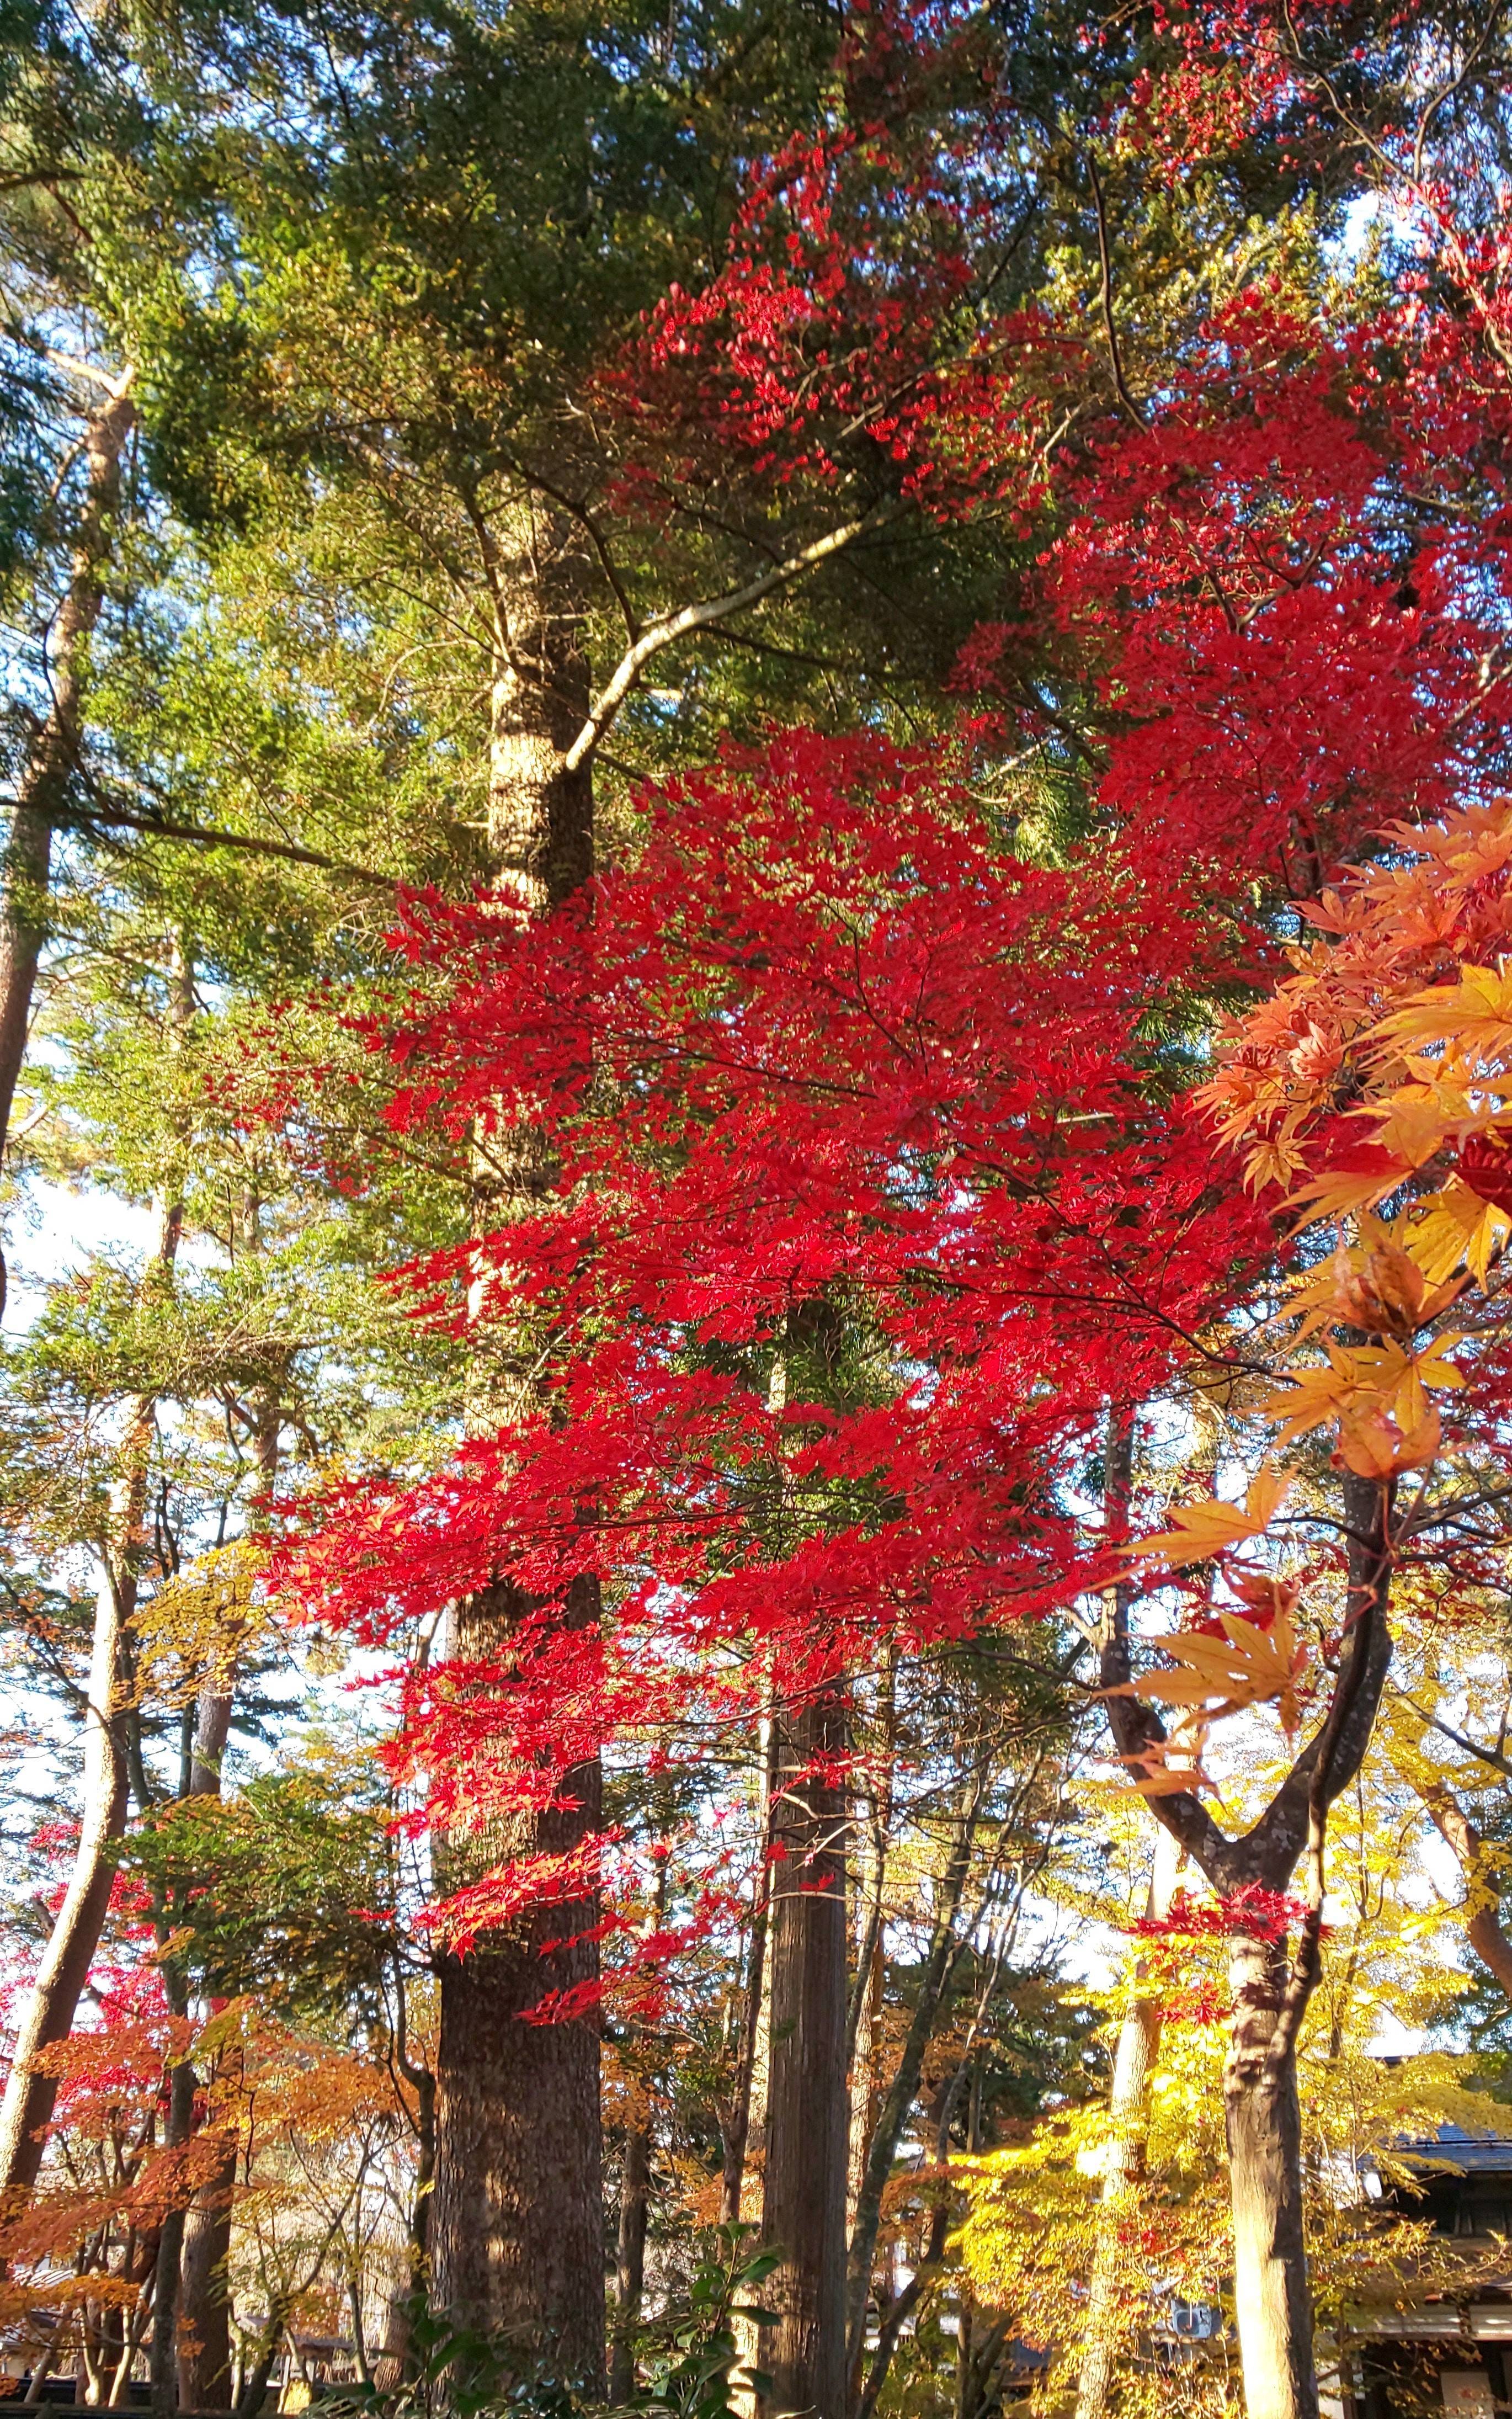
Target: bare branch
(669,628)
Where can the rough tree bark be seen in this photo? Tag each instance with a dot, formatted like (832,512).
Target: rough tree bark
(26,868)
(1270,1989)
(516,2227)
(803,2206)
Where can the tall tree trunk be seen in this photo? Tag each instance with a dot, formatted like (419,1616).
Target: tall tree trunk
(198,2338)
(807,2115)
(1134,2063)
(872,1948)
(26,868)
(516,2223)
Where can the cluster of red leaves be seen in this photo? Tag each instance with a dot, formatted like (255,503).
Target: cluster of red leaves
(842,333)
(827,1044)
(1253,1913)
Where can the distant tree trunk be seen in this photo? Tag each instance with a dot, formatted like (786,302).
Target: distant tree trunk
(735,2117)
(630,2276)
(51,2005)
(26,868)
(807,2111)
(933,1988)
(201,2339)
(1134,2063)
(872,1948)
(635,2201)
(1483,1921)
(517,2222)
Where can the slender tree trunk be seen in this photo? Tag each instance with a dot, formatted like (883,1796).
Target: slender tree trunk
(807,2118)
(48,2013)
(200,2340)
(199,2336)
(736,2125)
(1134,2063)
(872,1951)
(164,2362)
(635,2201)
(886,2132)
(630,2268)
(517,2222)
(27,867)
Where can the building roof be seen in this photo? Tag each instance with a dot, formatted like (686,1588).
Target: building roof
(1451,2149)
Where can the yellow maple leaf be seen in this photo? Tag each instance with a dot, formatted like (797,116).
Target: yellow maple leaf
(1418,1121)
(1208,1528)
(1456,1226)
(1247,1666)
(1474,1014)
(1344,1192)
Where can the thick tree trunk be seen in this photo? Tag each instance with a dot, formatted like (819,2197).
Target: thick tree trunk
(203,2331)
(517,2221)
(1272,2298)
(807,2113)
(27,867)
(1134,2063)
